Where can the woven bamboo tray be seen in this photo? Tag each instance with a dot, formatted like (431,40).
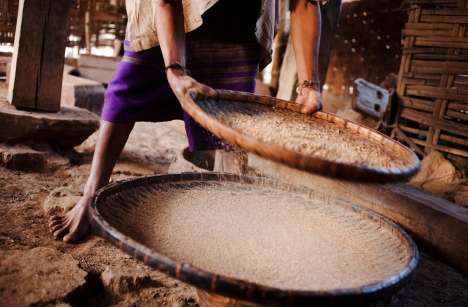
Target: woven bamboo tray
(209,112)
(131,213)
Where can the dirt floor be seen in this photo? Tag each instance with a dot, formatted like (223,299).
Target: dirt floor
(37,270)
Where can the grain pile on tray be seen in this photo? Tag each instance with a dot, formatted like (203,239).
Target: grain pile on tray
(260,234)
(304,134)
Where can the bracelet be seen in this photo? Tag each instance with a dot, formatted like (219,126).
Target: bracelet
(177,65)
(315,85)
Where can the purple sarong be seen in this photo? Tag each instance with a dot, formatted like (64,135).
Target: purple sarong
(140,92)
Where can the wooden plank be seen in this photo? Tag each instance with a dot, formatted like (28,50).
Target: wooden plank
(440,43)
(418,104)
(26,61)
(424,50)
(442,148)
(441,57)
(439,67)
(460,95)
(458,106)
(38,57)
(431,77)
(454,139)
(422,81)
(53,56)
(444,19)
(445,12)
(439,111)
(451,38)
(457,114)
(410,81)
(419,132)
(426,119)
(428,26)
(424,32)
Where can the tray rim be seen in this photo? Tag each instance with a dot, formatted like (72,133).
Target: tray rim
(294,159)
(238,288)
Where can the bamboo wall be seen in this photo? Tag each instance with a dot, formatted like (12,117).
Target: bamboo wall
(89,20)
(433,78)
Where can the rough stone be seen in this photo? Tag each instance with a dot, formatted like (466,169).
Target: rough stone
(83,93)
(67,128)
(61,200)
(24,158)
(461,196)
(121,280)
(38,276)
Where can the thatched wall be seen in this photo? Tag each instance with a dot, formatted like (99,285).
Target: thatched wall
(89,20)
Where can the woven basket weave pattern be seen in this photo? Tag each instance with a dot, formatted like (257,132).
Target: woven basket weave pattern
(207,111)
(118,207)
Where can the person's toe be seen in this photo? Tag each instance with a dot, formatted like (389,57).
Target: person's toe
(77,233)
(58,226)
(61,232)
(72,237)
(55,218)
(54,223)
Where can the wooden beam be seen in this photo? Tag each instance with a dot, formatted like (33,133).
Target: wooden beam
(38,57)
(25,64)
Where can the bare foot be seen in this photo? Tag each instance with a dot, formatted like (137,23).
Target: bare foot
(74,225)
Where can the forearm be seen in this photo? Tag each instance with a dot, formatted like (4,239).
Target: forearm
(305,35)
(170,30)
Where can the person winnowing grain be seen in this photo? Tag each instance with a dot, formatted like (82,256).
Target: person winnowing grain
(223,43)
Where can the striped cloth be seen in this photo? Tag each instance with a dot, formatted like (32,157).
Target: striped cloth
(140,92)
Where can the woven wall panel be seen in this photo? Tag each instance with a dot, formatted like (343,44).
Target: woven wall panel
(101,16)
(433,78)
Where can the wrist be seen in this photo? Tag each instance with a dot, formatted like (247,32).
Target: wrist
(176,69)
(313,84)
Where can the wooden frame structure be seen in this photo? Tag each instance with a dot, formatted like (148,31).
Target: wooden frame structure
(433,78)
(38,56)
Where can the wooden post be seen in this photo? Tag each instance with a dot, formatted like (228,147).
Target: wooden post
(38,56)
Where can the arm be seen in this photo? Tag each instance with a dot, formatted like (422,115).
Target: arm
(305,35)
(171,36)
